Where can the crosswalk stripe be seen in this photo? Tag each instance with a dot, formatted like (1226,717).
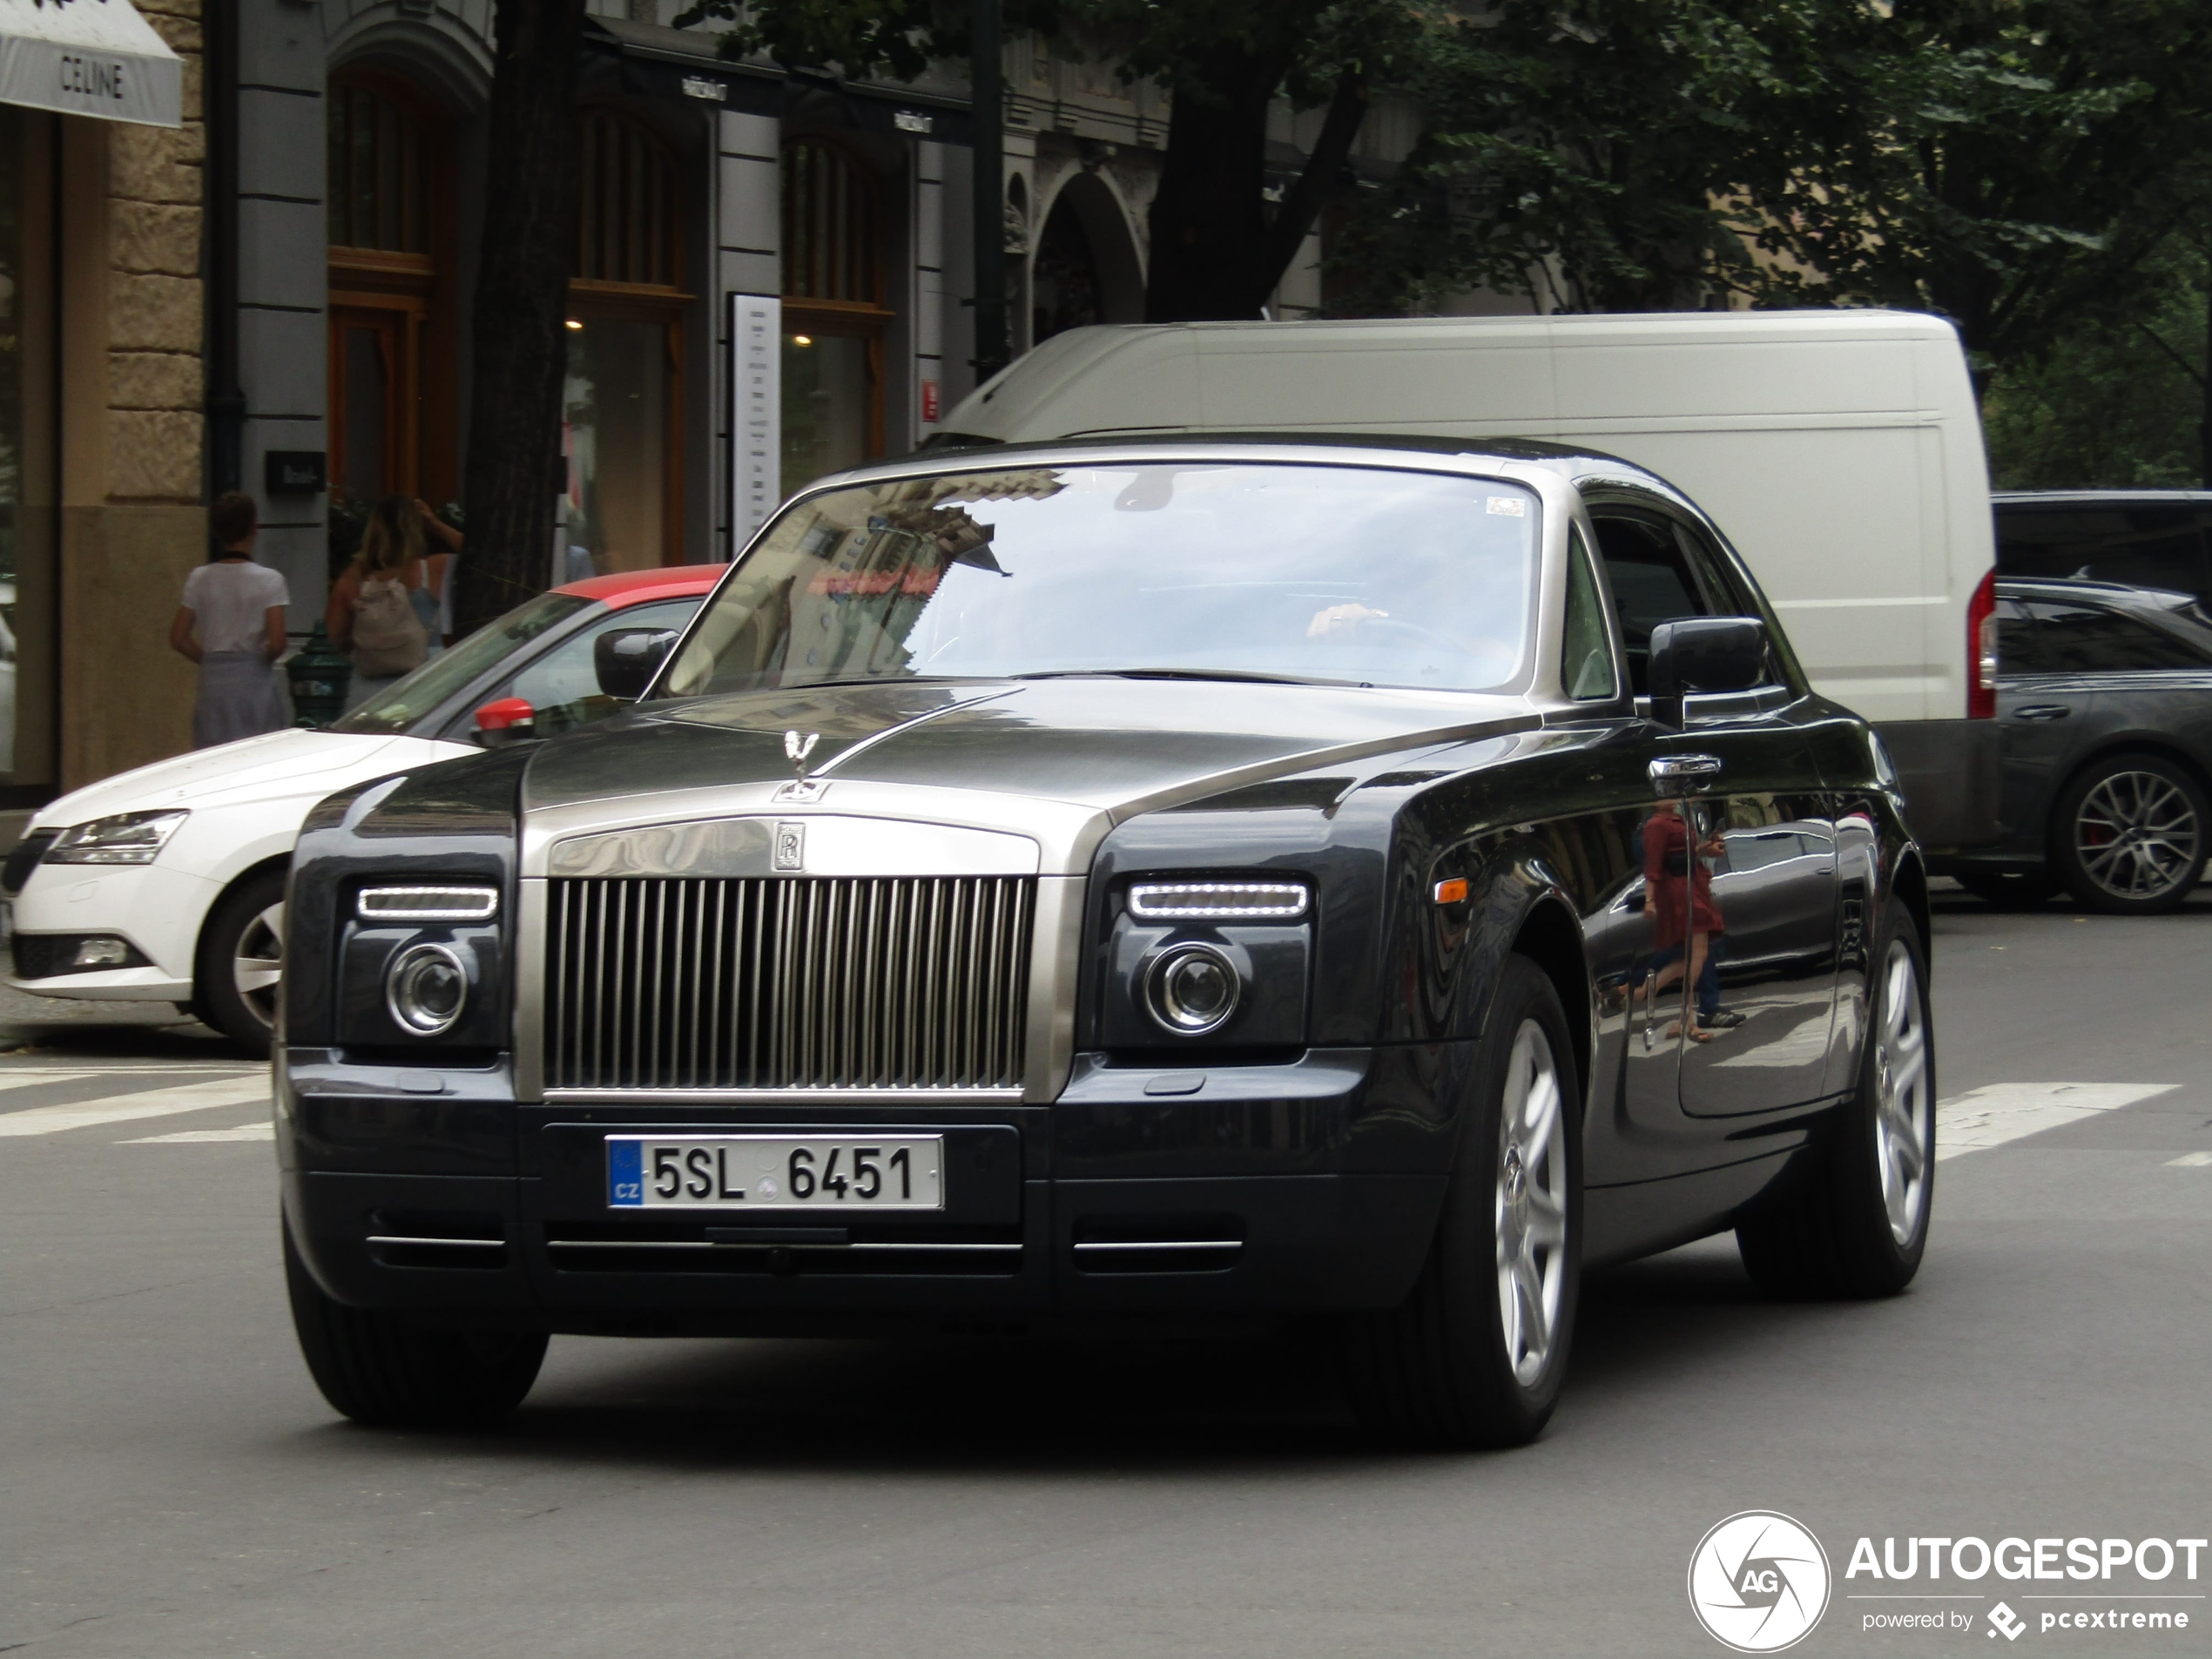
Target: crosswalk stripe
(1997,1113)
(262,1130)
(2190,1161)
(124,1108)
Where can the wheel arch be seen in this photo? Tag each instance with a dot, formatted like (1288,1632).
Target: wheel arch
(1550,936)
(276,861)
(2156,746)
(1909,884)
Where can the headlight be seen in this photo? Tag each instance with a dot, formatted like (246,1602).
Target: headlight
(1192,989)
(1217,900)
(427,904)
(128,838)
(426,987)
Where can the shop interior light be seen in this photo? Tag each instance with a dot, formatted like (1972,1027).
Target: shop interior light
(802,339)
(574,323)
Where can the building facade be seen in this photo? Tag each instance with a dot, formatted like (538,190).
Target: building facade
(768,285)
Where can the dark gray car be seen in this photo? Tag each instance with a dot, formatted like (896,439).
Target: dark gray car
(2106,695)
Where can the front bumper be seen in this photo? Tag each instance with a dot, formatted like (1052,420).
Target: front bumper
(1306,1187)
(158,909)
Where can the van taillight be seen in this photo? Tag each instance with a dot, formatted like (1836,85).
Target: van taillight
(1981,650)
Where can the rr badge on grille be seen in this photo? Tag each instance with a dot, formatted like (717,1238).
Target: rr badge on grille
(790,847)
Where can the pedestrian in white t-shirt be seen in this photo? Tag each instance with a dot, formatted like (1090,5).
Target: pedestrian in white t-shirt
(232,623)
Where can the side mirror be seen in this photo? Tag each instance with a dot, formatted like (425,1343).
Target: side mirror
(1704,654)
(506,719)
(627,658)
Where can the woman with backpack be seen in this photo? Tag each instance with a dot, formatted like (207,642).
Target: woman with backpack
(384,610)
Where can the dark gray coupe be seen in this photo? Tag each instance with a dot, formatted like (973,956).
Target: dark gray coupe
(1098,882)
(2105,693)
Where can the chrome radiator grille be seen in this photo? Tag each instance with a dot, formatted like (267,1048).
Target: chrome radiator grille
(904,982)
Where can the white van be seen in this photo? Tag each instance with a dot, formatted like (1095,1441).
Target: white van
(1839,451)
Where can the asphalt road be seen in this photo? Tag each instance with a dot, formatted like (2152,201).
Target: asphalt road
(174,1487)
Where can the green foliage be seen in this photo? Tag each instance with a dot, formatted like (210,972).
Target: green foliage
(1580,153)
(2010,165)
(2118,398)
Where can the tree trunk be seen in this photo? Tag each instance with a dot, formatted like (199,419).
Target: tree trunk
(520,343)
(1215,255)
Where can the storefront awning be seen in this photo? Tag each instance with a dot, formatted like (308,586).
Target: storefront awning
(96,58)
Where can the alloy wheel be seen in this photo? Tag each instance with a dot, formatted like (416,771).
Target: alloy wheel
(256,965)
(1531,1204)
(2136,835)
(1904,1101)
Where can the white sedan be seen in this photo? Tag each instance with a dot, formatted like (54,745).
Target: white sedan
(166,884)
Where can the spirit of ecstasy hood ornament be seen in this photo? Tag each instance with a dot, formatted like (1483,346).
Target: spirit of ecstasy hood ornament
(796,750)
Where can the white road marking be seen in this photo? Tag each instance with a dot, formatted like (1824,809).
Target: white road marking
(263,1130)
(2190,1161)
(1997,1113)
(125,1108)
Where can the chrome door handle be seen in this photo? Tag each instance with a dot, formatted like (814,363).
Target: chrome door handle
(2043,711)
(1684,774)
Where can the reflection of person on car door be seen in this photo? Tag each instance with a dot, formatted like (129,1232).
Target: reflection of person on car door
(1685,926)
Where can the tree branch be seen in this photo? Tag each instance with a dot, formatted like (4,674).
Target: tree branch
(1303,202)
(2180,362)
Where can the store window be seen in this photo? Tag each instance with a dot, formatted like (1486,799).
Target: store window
(393,420)
(835,316)
(623,402)
(28,408)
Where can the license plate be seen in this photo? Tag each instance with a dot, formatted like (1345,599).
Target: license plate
(755,1172)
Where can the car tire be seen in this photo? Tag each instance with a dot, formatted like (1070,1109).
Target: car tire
(1476,1356)
(2008,889)
(1851,1219)
(2130,833)
(240,961)
(378,1370)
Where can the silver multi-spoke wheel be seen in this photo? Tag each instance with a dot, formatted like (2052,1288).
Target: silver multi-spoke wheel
(258,963)
(1532,1204)
(2136,835)
(1904,1097)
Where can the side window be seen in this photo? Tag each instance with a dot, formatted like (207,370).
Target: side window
(2020,646)
(2087,639)
(2141,546)
(562,685)
(1585,654)
(1651,582)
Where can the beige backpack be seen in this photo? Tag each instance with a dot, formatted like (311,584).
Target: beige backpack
(389,637)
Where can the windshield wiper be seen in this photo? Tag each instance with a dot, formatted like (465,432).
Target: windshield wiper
(1243,674)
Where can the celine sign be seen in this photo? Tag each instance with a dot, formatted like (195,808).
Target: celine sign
(95,57)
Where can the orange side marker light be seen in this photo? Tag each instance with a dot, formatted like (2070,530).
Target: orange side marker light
(1452,892)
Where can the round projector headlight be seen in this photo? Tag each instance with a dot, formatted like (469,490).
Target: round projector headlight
(426,987)
(1193,989)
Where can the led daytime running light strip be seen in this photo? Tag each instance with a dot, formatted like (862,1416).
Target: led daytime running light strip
(1226,900)
(427,904)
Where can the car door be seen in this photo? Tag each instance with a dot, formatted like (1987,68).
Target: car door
(562,681)
(1755,852)
(2044,712)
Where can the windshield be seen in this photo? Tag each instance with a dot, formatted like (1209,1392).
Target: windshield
(401,704)
(1351,575)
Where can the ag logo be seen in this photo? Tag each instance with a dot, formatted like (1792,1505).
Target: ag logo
(1758,1581)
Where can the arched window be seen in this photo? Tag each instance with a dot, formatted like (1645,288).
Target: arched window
(377,197)
(393,322)
(833,310)
(623,401)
